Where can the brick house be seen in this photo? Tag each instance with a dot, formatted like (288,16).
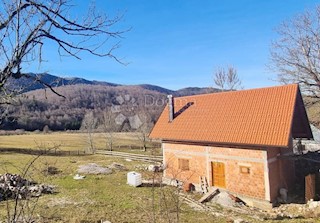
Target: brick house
(234,139)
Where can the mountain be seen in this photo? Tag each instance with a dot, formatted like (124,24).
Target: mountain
(127,107)
(156,88)
(194,91)
(34,82)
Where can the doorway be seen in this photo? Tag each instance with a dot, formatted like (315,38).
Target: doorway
(218,174)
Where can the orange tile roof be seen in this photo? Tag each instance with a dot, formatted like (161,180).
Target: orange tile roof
(253,117)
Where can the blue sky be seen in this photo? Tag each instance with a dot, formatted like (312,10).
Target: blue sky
(176,44)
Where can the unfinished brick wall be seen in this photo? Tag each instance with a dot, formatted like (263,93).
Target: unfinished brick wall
(197,164)
(200,158)
(249,184)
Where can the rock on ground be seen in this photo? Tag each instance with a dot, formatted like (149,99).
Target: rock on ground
(93,168)
(14,186)
(117,166)
(223,199)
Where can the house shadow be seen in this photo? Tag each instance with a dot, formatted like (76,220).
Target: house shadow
(150,184)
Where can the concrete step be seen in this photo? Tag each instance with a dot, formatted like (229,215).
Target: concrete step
(206,197)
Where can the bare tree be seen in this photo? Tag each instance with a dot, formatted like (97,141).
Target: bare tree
(89,123)
(108,128)
(144,130)
(295,55)
(46,129)
(28,26)
(227,79)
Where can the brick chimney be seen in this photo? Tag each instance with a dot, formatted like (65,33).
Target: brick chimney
(171,107)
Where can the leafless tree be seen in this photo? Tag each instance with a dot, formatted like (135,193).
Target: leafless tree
(108,128)
(227,79)
(46,129)
(28,26)
(144,130)
(89,124)
(295,55)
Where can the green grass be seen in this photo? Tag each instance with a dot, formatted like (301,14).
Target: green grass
(97,197)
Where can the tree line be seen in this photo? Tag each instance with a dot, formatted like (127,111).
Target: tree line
(122,108)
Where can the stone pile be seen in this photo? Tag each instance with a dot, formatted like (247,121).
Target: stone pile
(14,186)
(93,168)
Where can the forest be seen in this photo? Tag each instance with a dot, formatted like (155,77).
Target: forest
(115,108)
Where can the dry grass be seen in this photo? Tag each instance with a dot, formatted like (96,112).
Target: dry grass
(70,141)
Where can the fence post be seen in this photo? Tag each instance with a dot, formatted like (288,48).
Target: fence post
(310,187)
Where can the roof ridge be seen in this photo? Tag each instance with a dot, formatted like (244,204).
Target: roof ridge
(238,91)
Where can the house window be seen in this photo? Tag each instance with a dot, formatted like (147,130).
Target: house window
(244,169)
(183,164)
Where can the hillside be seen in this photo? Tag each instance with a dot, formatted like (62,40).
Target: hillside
(35,109)
(313,110)
(29,84)
(112,107)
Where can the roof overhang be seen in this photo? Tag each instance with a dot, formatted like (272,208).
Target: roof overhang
(223,144)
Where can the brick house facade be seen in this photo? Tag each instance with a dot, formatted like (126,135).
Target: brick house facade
(234,139)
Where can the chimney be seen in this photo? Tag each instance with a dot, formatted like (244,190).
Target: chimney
(171,107)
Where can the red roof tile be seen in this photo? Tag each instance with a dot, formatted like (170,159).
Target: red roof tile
(255,117)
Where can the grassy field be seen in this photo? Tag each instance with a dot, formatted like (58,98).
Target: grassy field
(75,141)
(98,198)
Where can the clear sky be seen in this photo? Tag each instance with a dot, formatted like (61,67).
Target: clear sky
(180,43)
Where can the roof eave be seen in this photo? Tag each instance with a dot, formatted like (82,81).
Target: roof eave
(223,144)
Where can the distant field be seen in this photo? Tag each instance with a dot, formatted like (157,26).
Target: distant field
(73,141)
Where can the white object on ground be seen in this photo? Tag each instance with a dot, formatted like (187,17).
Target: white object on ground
(78,177)
(134,179)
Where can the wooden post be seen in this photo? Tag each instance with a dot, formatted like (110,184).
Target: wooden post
(310,190)
(318,184)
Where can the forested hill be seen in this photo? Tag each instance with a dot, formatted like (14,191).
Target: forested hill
(29,84)
(33,83)
(107,106)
